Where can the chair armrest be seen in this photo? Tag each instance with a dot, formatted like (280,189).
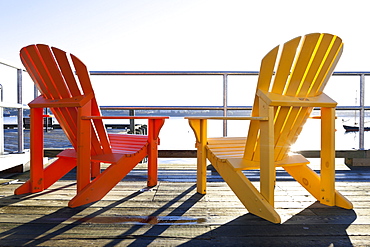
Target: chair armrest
(78,101)
(123,117)
(319,117)
(199,125)
(273,99)
(155,123)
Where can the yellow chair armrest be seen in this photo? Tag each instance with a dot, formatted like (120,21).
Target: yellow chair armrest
(273,99)
(199,124)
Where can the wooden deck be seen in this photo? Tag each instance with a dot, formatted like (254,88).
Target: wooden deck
(173,214)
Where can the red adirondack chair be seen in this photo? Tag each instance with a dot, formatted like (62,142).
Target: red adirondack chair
(71,99)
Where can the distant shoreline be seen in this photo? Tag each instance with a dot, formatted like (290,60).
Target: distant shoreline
(184,113)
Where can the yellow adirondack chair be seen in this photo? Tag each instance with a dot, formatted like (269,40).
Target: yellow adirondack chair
(291,82)
(72,101)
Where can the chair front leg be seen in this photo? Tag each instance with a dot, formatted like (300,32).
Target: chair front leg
(154,127)
(37,150)
(84,129)
(199,127)
(327,184)
(267,167)
(95,169)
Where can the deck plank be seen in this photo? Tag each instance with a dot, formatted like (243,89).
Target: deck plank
(173,214)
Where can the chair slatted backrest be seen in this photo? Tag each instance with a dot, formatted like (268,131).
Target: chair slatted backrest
(52,71)
(300,68)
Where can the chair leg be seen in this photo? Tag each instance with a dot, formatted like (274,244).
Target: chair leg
(52,173)
(201,170)
(327,173)
(95,169)
(84,134)
(199,127)
(36,181)
(152,164)
(102,184)
(267,167)
(58,169)
(37,150)
(311,181)
(24,188)
(251,198)
(154,127)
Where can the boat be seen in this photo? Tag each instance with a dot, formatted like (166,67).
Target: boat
(349,128)
(6,114)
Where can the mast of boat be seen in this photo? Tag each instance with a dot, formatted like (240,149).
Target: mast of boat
(356,110)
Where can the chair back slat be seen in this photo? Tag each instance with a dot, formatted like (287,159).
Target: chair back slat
(264,80)
(35,65)
(302,68)
(288,54)
(301,65)
(59,90)
(328,66)
(52,72)
(101,139)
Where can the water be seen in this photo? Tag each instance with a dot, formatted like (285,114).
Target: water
(176,134)
(309,139)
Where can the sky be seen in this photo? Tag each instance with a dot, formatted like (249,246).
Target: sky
(168,35)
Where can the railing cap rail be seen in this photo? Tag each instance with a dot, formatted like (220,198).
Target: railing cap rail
(11,66)
(192,72)
(174,72)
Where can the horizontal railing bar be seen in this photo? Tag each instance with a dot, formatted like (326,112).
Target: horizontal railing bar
(174,107)
(338,73)
(190,72)
(344,108)
(340,108)
(15,105)
(12,66)
(240,108)
(174,72)
(9,65)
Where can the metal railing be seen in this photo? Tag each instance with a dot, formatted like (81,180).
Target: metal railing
(361,107)
(224,75)
(224,107)
(18,105)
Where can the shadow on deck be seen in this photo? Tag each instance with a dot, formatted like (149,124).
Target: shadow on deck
(173,214)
